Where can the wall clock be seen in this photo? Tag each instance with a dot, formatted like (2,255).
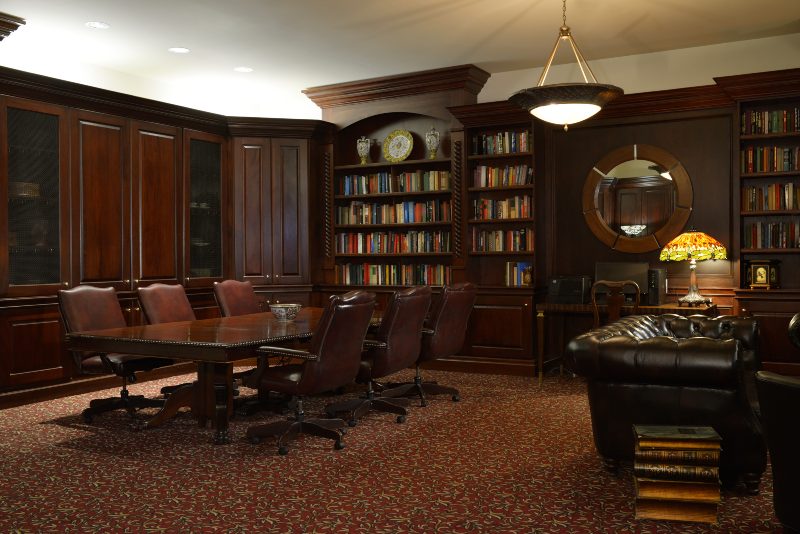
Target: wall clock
(397,145)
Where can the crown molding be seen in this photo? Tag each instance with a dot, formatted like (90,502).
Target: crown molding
(9,24)
(761,85)
(268,127)
(490,114)
(667,101)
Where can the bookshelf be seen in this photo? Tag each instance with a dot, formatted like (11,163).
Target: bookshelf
(769,175)
(393,221)
(500,205)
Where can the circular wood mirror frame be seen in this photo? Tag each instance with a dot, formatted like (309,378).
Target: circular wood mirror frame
(656,240)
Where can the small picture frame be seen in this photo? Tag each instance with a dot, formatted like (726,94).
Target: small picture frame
(763,274)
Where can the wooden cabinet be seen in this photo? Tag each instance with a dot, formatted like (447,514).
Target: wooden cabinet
(34,187)
(204,208)
(270,205)
(773,309)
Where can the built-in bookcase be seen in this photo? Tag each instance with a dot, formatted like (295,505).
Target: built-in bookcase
(500,218)
(393,222)
(769,171)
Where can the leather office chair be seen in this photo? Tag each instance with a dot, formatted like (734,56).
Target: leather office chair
(443,335)
(93,308)
(776,394)
(331,361)
(162,303)
(615,300)
(394,346)
(236,298)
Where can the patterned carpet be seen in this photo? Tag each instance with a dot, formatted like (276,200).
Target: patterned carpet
(510,457)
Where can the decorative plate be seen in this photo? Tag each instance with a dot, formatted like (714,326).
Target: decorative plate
(397,146)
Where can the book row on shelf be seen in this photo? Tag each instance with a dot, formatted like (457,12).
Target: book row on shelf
(436,210)
(507,142)
(486,176)
(676,473)
(393,274)
(386,182)
(520,240)
(516,207)
(770,197)
(519,273)
(769,159)
(773,121)
(772,234)
(393,242)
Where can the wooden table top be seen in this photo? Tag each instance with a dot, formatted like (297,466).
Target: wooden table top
(219,339)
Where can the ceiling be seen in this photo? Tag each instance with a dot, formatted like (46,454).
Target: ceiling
(295,44)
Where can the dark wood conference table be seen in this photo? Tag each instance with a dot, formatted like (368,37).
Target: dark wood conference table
(214,344)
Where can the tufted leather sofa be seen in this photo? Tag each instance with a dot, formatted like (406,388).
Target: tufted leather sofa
(674,370)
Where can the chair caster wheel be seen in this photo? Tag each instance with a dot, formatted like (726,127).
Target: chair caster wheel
(339,445)
(456,398)
(255,440)
(283,450)
(87,418)
(343,431)
(401,419)
(352,423)
(423,403)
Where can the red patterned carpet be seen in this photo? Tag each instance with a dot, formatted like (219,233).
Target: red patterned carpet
(510,457)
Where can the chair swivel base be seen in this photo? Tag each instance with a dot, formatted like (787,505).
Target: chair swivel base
(358,408)
(129,403)
(288,430)
(420,389)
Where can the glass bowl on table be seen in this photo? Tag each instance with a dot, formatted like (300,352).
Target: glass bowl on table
(285,312)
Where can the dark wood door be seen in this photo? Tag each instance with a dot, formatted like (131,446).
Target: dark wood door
(156,223)
(101,201)
(289,211)
(253,210)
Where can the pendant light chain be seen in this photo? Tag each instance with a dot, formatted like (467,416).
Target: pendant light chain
(564,13)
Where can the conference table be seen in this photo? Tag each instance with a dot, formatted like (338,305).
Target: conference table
(214,344)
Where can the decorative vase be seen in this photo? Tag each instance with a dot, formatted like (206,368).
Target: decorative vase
(432,142)
(362,146)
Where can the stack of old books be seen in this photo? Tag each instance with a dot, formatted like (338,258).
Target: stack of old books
(677,473)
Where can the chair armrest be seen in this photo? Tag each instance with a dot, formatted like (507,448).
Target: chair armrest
(268,350)
(374,344)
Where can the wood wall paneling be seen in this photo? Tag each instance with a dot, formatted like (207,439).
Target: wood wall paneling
(290,210)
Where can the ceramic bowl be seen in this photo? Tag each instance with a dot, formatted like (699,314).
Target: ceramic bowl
(285,312)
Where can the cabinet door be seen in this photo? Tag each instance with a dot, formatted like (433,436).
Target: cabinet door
(501,326)
(289,211)
(204,207)
(100,201)
(34,187)
(156,187)
(252,210)
(32,346)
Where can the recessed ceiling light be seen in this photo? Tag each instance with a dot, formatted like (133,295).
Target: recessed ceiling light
(179,50)
(97,25)
(243,69)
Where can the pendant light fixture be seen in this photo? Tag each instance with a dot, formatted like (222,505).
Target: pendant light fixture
(566,103)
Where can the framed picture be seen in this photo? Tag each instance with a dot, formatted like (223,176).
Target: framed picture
(763,274)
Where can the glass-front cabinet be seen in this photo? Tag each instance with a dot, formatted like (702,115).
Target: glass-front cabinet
(33,178)
(205,195)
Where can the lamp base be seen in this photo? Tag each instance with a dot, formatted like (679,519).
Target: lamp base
(695,299)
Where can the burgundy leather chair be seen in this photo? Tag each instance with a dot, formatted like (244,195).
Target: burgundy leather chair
(779,398)
(236,298)
(162,303)
(443,335)
(331,361)
(94,308)
(394,346)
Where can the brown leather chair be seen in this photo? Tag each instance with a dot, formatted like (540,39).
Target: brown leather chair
(93,308)
(331,361)
(443,335)
(236,298)
(162,303)
(778,398)
(615,299)
(394,346)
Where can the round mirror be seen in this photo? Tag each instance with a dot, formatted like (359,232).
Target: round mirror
(637,198)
